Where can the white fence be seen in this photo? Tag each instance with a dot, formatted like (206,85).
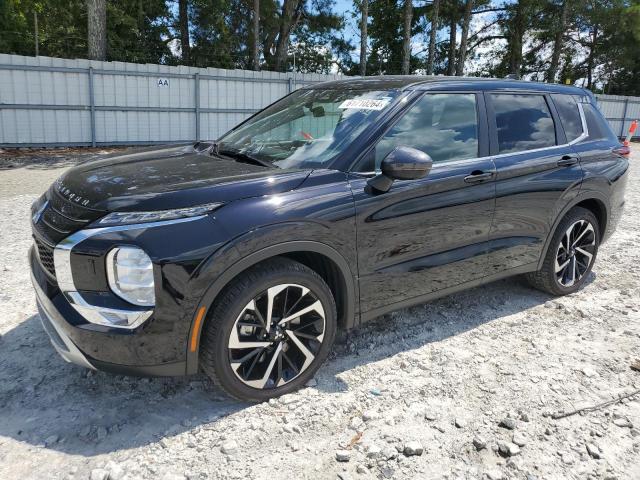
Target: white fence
(58,102)
(620,111)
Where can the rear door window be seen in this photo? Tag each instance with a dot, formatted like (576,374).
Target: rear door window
(524,122)
(569,114)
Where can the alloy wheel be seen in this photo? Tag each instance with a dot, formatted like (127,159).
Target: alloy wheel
(575,253)
(276,336)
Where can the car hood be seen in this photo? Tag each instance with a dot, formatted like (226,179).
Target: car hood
(169,177)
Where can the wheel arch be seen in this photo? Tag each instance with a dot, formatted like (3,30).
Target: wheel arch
(593,202)
(323,259)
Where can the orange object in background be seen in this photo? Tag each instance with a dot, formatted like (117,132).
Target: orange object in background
(632,130)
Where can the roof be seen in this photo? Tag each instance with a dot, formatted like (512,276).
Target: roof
(424,82)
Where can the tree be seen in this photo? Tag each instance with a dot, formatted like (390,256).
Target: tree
(406,37)
(255,44)
(364,19)
(558,40)
(219,40)
(276,47)
(97,29)
(466,20)
(453,14)
(432,36)
(139,31)
(385,35)
(183,19)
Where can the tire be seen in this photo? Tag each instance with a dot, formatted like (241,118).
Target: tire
(238,319)
(586,230)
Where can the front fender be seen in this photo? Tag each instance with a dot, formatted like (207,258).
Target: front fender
(220,280)
(318,218)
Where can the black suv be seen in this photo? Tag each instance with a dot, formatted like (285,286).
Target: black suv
(332,206)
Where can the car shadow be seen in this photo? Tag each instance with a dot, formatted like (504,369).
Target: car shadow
(47,402)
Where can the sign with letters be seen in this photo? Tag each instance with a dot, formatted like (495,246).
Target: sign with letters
(163,82)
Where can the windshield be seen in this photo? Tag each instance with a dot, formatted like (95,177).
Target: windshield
(308,128)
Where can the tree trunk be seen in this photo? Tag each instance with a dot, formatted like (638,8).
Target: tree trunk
(462,54)
(97,29)
(592,54)
(363,37)
(515,41)
(557,43)
(406,37)
(183,20)
(432,36)
(451,64)
(255,46)
(291,14)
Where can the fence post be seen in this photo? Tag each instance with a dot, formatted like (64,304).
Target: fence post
(624,117)
(290,84)
(196,78)
(92,108)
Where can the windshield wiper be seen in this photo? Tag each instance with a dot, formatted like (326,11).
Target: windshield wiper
(243,157)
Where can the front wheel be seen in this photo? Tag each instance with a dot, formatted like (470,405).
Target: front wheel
(270,331)
(571,254)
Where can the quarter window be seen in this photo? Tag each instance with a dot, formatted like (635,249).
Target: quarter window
(443,125)
(524,122)
(569,115)
(597,126)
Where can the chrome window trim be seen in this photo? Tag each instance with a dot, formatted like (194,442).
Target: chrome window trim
(583,136)
(585,129)
(64,275)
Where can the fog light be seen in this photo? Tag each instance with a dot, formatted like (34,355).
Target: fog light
(130,274)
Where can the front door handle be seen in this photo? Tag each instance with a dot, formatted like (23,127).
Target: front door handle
(567,161)
(478,176)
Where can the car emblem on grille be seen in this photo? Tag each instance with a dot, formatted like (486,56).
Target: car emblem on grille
(39,212)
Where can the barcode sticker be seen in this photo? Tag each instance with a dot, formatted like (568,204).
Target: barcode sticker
(365,104)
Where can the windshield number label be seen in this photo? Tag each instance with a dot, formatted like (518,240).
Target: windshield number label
(364,104)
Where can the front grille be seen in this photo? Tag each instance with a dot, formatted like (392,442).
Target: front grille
(59,219)
(45,254)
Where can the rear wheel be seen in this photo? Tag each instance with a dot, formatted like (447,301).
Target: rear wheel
(571,254)
(270,331)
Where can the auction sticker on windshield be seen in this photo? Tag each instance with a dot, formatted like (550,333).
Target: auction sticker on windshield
(365,103)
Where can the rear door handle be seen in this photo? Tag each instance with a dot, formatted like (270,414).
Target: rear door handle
(567,161)
(478,176)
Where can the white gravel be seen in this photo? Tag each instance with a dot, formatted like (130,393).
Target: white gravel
(418,394)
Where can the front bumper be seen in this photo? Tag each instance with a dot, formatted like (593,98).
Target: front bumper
(51,322)
(94,346)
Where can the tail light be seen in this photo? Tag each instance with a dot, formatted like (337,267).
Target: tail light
(622,150)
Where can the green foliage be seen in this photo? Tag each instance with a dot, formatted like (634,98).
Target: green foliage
(595,43)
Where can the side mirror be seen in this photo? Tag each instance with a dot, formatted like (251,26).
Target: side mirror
(401,163)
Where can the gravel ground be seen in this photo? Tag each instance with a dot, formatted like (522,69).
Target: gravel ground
(463,387)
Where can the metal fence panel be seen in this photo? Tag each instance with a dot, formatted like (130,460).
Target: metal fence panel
(620,111)
(50,101)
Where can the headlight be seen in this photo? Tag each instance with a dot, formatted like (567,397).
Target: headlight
(127,218)
(130,274)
